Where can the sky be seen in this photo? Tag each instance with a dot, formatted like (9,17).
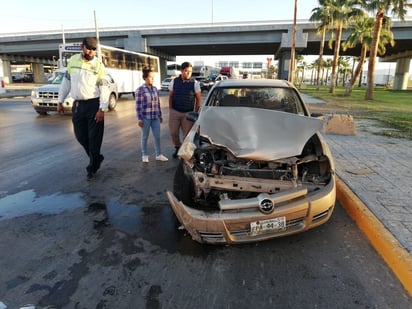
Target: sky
(46,15)
(50,15)
(29,15)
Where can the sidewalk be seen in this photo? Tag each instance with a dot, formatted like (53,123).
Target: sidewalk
(378,170)
(375,188)
(18,90)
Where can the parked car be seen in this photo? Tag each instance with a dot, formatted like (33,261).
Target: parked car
(45,98)
(221,77)
(165,83)
(206,84)
(254,165)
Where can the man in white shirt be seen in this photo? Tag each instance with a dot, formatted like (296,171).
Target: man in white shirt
(85,80)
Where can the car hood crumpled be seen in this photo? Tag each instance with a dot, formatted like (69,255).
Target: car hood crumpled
(257,134)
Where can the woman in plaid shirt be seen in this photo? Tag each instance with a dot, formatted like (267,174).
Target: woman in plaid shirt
(149,114)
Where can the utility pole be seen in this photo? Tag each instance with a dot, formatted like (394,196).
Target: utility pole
(212,11)
(99,53)
(292,50)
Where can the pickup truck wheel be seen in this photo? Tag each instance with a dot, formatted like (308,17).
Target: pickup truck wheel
(41,113)
(112,102)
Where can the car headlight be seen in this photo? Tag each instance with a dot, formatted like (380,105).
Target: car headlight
(186,150)
(35,94)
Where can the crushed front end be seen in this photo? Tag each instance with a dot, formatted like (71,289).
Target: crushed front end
(251,191)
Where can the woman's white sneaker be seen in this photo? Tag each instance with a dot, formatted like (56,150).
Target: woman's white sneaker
(145,159)
(161,158)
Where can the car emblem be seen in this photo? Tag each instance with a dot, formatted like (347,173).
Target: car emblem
(266,206)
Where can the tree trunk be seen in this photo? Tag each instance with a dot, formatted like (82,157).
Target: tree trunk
(357,72)
(320,60)
(335,59)
(372,55)
(292,52)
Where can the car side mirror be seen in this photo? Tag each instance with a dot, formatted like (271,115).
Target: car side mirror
(192,116)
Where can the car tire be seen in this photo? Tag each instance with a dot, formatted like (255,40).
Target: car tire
(41,113)
(183,186)
(112,102)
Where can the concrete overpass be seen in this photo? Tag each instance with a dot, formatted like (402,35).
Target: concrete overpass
(169,41)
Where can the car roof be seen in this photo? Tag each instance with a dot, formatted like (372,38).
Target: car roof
(255,83)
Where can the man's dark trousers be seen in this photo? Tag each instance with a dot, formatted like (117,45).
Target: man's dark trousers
(88,132)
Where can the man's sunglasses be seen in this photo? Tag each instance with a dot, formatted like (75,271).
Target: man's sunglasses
(90,48)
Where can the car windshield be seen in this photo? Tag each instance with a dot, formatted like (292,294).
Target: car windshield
(58,78)
(273,98)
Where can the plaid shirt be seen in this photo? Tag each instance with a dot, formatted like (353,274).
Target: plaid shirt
(147,103)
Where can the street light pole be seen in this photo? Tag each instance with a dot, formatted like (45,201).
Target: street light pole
(212,12)
(292,50)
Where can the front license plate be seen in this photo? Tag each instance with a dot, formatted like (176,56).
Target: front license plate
(270,225)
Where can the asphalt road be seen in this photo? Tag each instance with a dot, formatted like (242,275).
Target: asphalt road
(66,242)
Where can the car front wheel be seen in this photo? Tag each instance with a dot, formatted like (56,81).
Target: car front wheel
(183,186)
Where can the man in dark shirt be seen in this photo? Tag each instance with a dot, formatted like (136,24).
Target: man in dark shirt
(184,96)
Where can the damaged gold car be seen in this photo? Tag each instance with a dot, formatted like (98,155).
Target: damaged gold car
(254,166)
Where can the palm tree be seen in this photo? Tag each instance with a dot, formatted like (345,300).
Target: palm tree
(355,60)
(343,68)
(362,34)
(321,14)
(380,8)
(292,52)
(300,67)
(341,13)
(327,65)
(311,67)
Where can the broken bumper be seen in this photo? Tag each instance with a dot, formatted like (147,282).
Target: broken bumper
(230,226)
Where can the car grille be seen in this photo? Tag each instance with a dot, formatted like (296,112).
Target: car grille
(48,104)
(48,95)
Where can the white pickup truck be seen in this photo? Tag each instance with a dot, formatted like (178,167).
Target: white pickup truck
(44,99)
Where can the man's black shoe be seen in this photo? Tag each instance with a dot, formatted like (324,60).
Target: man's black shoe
(90,172)
(176,151)
(101,158)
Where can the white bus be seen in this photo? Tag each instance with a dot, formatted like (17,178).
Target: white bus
(173,70)
(124,66)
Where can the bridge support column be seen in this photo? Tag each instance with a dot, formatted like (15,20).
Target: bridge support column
(6,69)
(283,64)
(401,74)
(283,53)
(163,68)
(38,73)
